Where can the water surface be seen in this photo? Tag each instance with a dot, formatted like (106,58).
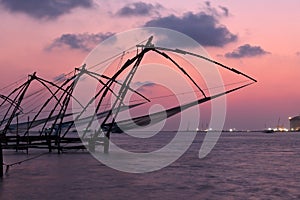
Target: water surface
(241,166)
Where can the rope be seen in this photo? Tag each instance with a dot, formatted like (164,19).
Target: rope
(14,83)
(22,161)
(189,92)
(116,55)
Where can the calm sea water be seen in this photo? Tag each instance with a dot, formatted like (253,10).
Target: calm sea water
(241,166)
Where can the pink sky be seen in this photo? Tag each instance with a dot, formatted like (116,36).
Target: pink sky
(271,25)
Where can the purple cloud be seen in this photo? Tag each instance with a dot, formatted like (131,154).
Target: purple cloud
(44,9)
(246,51)
(202,27)
(139,9)
(84,42)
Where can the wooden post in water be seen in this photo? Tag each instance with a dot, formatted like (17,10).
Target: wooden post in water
(48,138)
(106,143)
(27,134)
(92,142)
(17,134)
(58,138)
(1,158)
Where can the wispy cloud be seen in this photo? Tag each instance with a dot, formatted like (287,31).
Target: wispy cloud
(60,78)
(246,51)
(84,41)
(44,9)
(220,11)
(144,86)
(139,9)
(225,10)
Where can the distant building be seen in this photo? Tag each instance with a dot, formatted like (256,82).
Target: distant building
(295,123)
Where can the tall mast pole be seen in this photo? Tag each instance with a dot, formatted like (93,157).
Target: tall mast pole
(122,93)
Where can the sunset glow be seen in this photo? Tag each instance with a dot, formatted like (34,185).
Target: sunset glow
(258,38)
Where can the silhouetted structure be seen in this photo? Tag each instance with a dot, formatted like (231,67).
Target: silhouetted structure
(51,120)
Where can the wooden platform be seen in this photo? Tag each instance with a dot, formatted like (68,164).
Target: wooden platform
(52,143)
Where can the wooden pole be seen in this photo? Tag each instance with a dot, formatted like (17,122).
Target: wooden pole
(1,158)
(48,138)
(58,138)
(17,134)
(28,119)
(106,143)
